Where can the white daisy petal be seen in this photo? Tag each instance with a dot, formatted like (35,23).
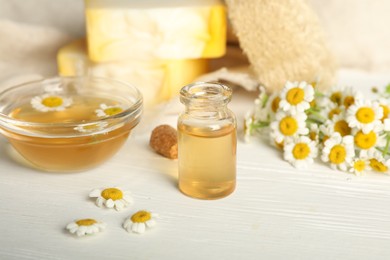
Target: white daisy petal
(119,205)
(135,227)
(73,229)
(127,223)
(109,203)
(100,202)
(141,228)
(150,223)
(71,225)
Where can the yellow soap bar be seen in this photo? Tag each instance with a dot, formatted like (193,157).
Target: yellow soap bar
(117,31)
(158,80)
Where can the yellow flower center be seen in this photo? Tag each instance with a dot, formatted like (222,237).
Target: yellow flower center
(386,111)
(342,128)
(365,141)
(112,193)
(325,138)
(334,111)
(275,104)
(359,165)
(377,165)
(348,101)
(365,115)
(86,222)
(337,154)
(336,97)
(141,216)
(279,145)
(301,151)
(313,136)
(52,101)
(295,96)
(113,111)
(288,126)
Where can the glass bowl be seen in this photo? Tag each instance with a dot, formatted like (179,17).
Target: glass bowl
(67,124)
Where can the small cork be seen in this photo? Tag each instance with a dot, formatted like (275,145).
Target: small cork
(164,141)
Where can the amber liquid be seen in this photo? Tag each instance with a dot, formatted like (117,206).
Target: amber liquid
(207,161)
(71,153)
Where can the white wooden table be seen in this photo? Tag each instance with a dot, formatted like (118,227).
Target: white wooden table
(276,212)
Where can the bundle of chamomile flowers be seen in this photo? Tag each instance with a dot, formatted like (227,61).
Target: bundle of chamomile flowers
(341,127)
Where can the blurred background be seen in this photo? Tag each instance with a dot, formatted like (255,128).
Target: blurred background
(32,31)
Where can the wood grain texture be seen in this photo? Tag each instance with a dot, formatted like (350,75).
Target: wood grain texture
(276,212)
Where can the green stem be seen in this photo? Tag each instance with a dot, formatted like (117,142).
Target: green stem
(316,116)
(265,101)
(314,120)
(260,124)
(318,94)
(385,151)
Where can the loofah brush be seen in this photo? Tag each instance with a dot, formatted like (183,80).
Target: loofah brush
(283,41)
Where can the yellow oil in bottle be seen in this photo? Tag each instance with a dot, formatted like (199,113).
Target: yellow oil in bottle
(74,152)
(207,161)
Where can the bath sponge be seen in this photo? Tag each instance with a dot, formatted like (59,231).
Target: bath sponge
(283,41)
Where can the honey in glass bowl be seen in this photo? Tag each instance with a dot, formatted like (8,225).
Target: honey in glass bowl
(69,123)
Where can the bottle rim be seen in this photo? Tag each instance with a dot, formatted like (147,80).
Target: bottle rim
(205,92)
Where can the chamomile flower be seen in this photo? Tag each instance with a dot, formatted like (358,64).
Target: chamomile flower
(340,125)
(95,127)
(139,221)
(336,125)
(369,141)
(300,152)
(336,95)
(349,96)
(326,131)
(86,226)
(273,104)
(365,115)
(314,132)
(384,103)
(296,97)
(112,198)
(331,110)
(288,125)
(105,110)
(50,102)
(359,165)
(377,162)
(338,151)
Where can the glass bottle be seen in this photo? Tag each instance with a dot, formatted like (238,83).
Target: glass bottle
(207,140)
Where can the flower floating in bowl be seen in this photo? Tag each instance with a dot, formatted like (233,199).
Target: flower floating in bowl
(69,123)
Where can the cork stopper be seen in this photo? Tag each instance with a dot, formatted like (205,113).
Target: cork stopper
(163,140)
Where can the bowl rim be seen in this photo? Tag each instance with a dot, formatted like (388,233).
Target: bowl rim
(134,109)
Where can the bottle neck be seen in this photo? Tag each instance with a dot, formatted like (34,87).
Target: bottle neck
(204,97)
(206,100)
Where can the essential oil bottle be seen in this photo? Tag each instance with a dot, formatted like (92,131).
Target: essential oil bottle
(207,140)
